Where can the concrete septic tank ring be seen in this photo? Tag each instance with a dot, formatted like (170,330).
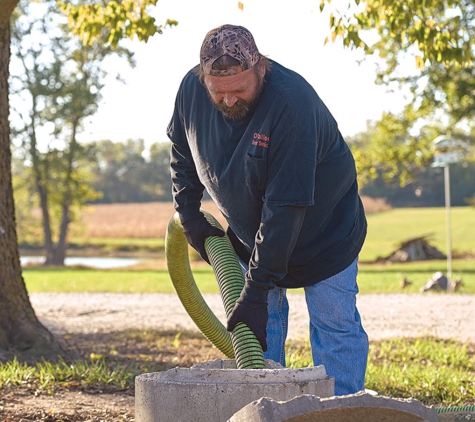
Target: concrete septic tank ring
(205,394)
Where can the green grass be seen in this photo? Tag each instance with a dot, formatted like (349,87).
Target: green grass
(429,369)
(47,376)
(119,244)
(386,278)
(433,371)
(39,279)
(388,229)
(374,278)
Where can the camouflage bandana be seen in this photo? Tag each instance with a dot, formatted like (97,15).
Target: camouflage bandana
(231,40)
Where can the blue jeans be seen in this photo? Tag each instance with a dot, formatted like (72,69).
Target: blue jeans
(338,339)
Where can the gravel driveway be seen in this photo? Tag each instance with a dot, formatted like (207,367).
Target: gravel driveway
(383,315)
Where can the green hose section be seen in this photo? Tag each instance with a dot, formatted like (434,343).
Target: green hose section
(176,251)
(468,408)
(241,343)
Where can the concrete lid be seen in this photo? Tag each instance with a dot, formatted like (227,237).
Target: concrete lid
(351,408)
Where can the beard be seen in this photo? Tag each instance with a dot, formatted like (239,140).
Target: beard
(241,108)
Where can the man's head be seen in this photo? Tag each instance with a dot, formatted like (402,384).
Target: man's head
(232,70)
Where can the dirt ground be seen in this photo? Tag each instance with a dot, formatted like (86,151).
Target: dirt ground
(137,351)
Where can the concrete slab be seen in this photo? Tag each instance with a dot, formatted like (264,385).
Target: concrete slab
(209,393)
(352,408)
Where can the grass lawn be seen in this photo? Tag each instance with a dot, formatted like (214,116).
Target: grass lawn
(386,230)
(39,279)
(372,278)
(386,278)
(127,244)
(433,371)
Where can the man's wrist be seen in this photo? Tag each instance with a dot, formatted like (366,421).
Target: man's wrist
(189,213)
(192,222)
(254,293)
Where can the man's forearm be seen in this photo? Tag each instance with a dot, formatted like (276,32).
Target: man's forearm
(186,187)
(275,241)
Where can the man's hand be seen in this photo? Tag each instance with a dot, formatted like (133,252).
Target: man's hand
(197,230)
(252,313)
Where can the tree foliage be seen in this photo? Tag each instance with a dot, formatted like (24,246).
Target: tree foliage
(440,31)
(439,36)
(427,188)
(387,149)
(398,147)
(113,20)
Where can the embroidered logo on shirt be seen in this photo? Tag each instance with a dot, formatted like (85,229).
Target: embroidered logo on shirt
(260,140)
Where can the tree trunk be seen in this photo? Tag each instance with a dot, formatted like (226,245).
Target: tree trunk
(20,331)
(47,235)
(41,187)
(60,249)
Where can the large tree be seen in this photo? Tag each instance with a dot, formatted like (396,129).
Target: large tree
(20,330)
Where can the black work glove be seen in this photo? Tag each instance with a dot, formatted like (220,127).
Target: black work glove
(251,309)
(197,230)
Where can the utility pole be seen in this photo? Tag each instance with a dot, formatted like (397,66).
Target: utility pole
(448,151)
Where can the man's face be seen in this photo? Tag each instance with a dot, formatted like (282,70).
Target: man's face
(235,95)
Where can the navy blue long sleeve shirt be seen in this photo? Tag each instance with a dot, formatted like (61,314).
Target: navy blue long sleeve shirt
(283,178)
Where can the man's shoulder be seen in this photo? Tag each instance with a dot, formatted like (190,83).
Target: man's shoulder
(289,83)
(290,90)
(191,77)
(279,72)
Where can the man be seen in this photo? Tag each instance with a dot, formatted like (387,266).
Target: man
(258,138)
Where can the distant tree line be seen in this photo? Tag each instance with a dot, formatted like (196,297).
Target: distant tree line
(131,172)
(128,172)
(115,172)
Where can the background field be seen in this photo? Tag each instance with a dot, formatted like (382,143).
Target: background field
(144,225)
(149,220)
(372,278)
(139,229)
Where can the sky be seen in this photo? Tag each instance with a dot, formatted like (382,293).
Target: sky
(289,32)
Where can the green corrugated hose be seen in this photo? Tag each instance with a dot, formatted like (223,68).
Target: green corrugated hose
(468,408)
(241,343)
